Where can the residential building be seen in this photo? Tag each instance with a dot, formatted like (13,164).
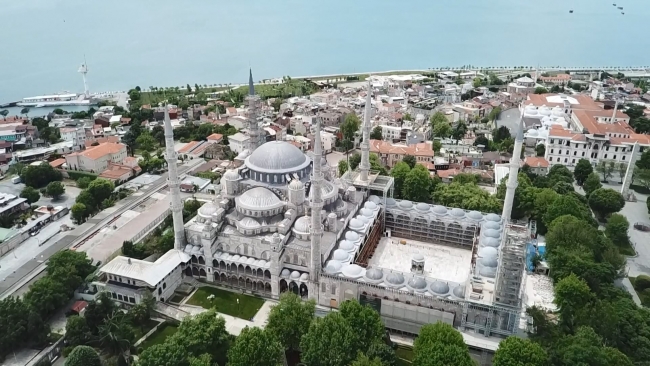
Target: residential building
(10,204)
(43,153)
(238,142)
(97,158)
(391,133)
(215,138)
(77,135)
(391,154)
(302,142)
(538,165)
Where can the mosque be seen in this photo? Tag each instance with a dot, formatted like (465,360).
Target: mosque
(284,222)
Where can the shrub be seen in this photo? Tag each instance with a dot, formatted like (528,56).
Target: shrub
(642,282)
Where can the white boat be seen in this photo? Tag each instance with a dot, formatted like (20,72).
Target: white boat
(54,100)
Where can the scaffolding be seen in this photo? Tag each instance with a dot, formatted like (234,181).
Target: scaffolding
(427,227)
(512,263)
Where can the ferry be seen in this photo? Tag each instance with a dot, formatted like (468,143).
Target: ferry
(54,100)
(620,8)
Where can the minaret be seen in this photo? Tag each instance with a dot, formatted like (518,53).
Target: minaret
(364,166)
(253,102)
(174,184)
(627,181)
(83,70)
(511,184)
(316,207)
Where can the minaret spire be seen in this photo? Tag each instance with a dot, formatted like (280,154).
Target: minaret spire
(364,166)
(253,101)
(511,184)
(174,184)
(251,85)
(316,206)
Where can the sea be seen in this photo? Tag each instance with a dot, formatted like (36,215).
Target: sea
(170,43)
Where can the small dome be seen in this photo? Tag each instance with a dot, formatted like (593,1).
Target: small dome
(207,209)
(490,242)
(491,233)
(557,111)
(352,271)
(302,224)
(285,273)
(493,217)
(417,283)
(457,212)
(390,202)
(374,199)
(295,275)
(250,260)
(296,185)
(423,207)
(347,245)
(439,210)
(231,174)
(395,279)
(351,236)
(356,224)
(304,277)
(364,219)
(439,287)
(488,252)
(459,291)
(489,272)
(340,255)
(261,263)
(366,212)
(544,110)
(418,257)
(331,215)
(235,258)
(489,262)
(475,215)
(374,274)
(406,205)
(249,223)
(491,225)
(370,205)
(331,267)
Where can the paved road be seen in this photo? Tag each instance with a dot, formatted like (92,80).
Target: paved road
(32,267)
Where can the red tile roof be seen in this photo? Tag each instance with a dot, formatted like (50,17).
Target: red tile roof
(57,163)
(536,162)
(384,147)
(215,137)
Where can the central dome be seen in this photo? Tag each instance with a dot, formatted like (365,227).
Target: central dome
(277,157)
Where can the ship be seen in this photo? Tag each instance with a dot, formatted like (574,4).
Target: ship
(55,100)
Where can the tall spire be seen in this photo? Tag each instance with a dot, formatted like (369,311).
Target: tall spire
(364,166)
(174,184)
(251,86)
(316,206)
(511,184)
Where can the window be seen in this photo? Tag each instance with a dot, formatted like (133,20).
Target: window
(605,156)
(615,150)
(558,160)
(333,289)
(574,153)
(565,160)
(164,285)
(551,151)
(573,161)
(614,157)
(583,153)
(132,300)
(567,152)
(623,157)
(552,141)
(323,287)
(119,297)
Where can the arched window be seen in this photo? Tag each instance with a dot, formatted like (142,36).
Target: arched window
(333,289)
(164,285)
(295,259)
(323,287)
(159,291)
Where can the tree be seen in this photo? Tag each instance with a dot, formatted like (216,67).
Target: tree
(399,172)
(77,332)
(354,161)
(38,176)
(438,118)
(592,183)
(541,90)
(79,212)
(560,173)
(366,322)
(582,171)
(563,187)
(540,150)
(566,205)
(481,140)
(204,333)
(4,114)
(166,354)
(146,141)
(459,130)
(416,184)
(83,356)
(605,168)
(99,310)
(605,201)
(440,344)
(348,129)
(436,146)
(83,182)
(24,111)
(494,113)
(515,351)
(442,130)
(410,160)
(55,190)
(290,319)
(376,133)
(30,194)
(616,230)
(100,189)
(572,294)
(343,167)
(255,347)
(500,134)
(621,168)
(116,335)
(330,341)
(644,160)
(466,196)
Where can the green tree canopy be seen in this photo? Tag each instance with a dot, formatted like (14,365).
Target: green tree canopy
(203,333)
(467,197)
(83,356)
(30,194)
(55,189)
(410,160)
(343,167)
(592,183)
(644,160)
(440,344)
(605,201)
(290,319)
(500,134)
(165,354)
(77,332)
(363,360)
(572,294)
(255,347)
(567,205)
(100,189)
(145,141)
(582,170)
(399,173)
(438,118)
(330,341)
(78,212)
(442,130)
(515,351)
(416,184)
(616,230)
(366,322)
(540,150)
(37,176)
(559,173)
(376,133)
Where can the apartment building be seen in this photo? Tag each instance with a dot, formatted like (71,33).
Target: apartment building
(76,135)
(391,154)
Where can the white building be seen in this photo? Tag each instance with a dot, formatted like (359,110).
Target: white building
(96,159)
(76,135)
(238,142)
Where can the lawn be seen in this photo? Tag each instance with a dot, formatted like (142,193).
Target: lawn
(141,331)
(226,302)
(404,355)
(159,336)
(644,295)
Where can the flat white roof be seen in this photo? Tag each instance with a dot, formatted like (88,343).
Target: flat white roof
(441,262)
(52,96)
(538,291)
(150,272)
(238,137)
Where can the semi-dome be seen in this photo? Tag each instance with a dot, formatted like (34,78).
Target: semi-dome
(493,217)
(347,245)
(439,287)
(208,209)
(285,273)
(406,205)
(457,212)
(356,224)
(489,272)
(340,255)
(491,233)
(351,235)
(395,279)
(295,275)
(422,207)
(439,210)
(352,271)
(490,242)
(231,174)
(374,274)
(277,157)
(390,202)
(249,223)
(459,291)
(489,262)
(328,191)
(417,283)
(296,185)
(258,198)
(331,267)
(370,205)
(304,277)
(488,252)
(302,224)
(491,225)
(374,199)
(366,212)
(475,215)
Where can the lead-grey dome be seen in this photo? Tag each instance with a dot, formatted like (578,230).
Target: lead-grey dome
(356,224)
(489,272)
(296,185)
(366,212)
(346,245)
(390,202)
(457,212)
(475,215)
(351,235)
(249,223)
(487,252)
(490,242)
(374,199)
(302,224)
(423,207)
(258,198)
(406,205)
(231,174)
(277,157)
(331,267)
(489,262)
(340,255)
(374,274)
(352,271)
(492,225)
(439,210)
(418,257)
(491,233)
(439,287)
(417,283)
(395,279)
(285,273)
(459,291)
(493,217)
(370,205)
